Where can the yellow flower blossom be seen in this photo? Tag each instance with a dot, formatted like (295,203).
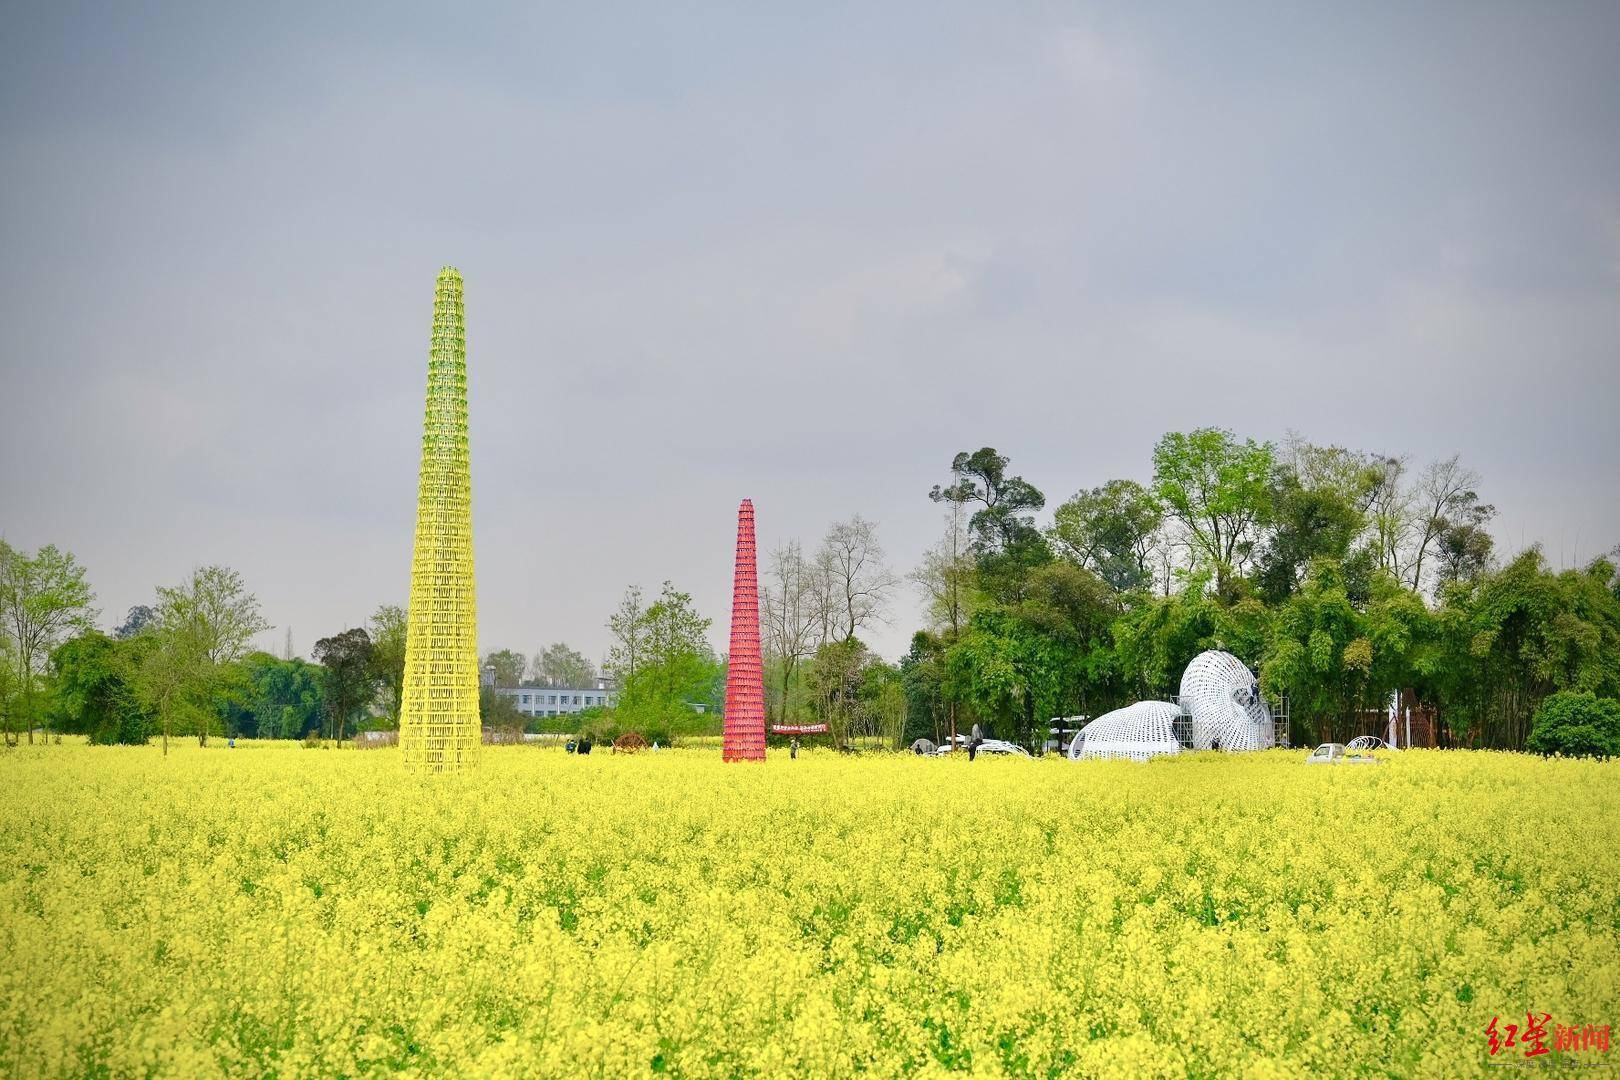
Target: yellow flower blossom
(272,910)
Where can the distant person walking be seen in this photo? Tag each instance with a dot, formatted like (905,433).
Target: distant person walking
(974,741)
(793,748)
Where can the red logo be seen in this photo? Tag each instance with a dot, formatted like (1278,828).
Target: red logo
(1532,1037)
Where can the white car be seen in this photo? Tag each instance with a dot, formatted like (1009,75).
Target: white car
(1002,746)
(1332,753)
(991,746)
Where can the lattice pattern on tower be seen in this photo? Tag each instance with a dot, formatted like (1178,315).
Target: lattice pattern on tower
(1223,699)
(745,674)
(1140,731)
(438,727)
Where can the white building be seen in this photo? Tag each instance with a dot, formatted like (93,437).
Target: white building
(557,700)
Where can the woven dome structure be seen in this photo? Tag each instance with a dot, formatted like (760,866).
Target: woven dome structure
(1140,731)
(1223,699)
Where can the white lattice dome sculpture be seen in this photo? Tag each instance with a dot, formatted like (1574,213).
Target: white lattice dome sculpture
(1223,699)
(1140,731)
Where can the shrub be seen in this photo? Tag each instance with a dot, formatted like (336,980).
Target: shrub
(128,728)
(1576,725)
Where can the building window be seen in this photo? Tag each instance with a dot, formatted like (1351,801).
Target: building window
(525,699)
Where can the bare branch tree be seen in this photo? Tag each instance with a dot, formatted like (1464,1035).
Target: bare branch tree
(856,580)
(1391,512)
(945,576)
(790,613)
(560,665)
(1446,488)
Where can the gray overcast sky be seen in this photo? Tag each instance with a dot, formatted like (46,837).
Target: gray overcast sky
(799,253)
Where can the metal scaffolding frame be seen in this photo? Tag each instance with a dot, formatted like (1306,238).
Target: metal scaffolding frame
(439,725)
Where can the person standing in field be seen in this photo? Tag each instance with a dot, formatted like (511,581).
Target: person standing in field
(974,740)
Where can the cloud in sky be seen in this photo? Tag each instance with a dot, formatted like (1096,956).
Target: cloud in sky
(801,255)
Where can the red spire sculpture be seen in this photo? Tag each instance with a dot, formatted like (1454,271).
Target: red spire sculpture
(745,674)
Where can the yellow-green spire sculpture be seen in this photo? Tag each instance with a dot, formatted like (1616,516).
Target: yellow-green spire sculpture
(438,724)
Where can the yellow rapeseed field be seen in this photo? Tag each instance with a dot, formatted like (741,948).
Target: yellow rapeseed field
(286,911)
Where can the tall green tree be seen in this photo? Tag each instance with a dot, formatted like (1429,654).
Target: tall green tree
(1218,489)
(1512,637)
(95,688)
(499,713)
(1011,672)
(833,677)
(508,667)
(627,624)
(1464,546)
(347,681)
(1005,542)
(883,700)
(1113,531)
(205,625)
(1405,635)
(387,630)
(1321,657)
(1318,505)
(139,618)
(282,699)
(10,695)
(1049,654)
(561,665)
(1156,638)
(922,674)
(44,598)
(176,681)
(676,666)
(1003,521)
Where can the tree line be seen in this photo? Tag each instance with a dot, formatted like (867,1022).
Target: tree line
(1341,576)
(180,666)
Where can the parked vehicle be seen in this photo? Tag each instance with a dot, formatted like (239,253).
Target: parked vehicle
(990,746)
(1332,753)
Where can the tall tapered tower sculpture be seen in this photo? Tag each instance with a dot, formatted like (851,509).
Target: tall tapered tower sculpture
(438,723)
(745,674)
